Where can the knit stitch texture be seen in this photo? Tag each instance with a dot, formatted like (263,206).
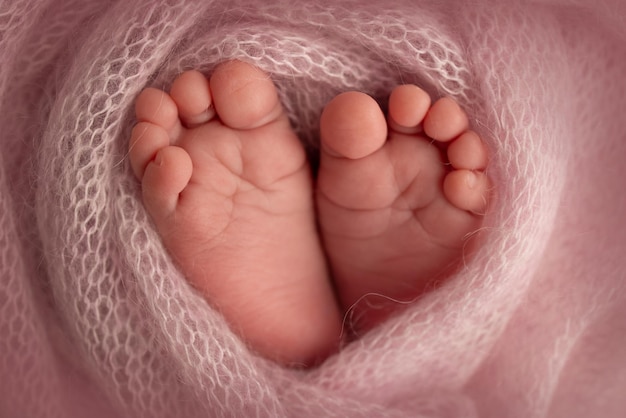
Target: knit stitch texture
(95,319)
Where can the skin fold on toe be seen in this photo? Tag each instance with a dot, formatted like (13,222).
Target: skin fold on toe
(394,218)
(227,184)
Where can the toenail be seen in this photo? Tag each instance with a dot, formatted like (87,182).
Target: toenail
(471,179)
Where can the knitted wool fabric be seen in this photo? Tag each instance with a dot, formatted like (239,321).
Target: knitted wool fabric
(96,321)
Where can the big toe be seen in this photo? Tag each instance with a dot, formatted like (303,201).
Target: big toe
(352,126)
(244,96)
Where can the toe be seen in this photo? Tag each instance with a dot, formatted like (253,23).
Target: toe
(164,179)
(244,96)
(191,93)
(145,141)
(445,120)
(408,105)
(352,126)
(467,190)
(157,107)
(468,152)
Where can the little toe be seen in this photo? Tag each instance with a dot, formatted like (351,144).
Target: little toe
(157,107)
(352,126)
(467,190)
(244,96)
(408,105)
(145,141)
(468,152)
(445,120)
(164,179)
(191,93)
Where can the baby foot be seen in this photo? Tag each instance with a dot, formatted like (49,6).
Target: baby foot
(397,198)
(227,184)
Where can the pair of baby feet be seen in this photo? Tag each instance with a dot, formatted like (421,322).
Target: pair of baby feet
(228,186)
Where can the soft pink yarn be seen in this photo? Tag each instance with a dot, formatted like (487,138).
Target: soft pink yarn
(96,321)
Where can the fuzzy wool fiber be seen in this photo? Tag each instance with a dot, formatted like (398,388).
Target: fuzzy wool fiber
(95,319)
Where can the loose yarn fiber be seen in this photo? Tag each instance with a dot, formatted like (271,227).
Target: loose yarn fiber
(95,319)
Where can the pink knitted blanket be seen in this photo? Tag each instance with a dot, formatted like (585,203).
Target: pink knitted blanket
(96,321)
